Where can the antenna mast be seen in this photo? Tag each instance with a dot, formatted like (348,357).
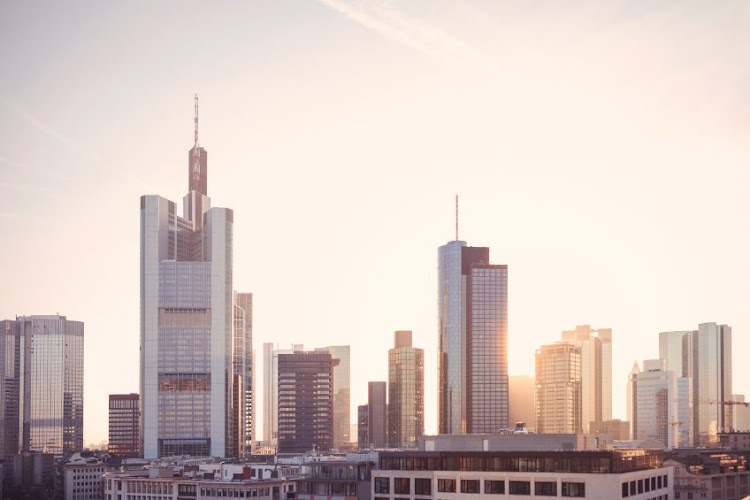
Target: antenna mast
(456,217)
(195,144)
(196,151)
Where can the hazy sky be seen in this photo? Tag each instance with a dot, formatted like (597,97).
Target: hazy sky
(600,149)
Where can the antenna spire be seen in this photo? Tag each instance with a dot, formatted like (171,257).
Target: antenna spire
(456,217)
(195,144)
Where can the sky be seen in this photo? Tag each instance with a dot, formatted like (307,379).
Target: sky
(600,149)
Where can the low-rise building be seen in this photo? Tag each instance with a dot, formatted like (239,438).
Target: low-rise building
(709,474)
(82,477)
(735,440)
(336,480)
(632,474)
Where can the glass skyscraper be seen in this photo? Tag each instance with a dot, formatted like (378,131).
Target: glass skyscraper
(405,392)
(341,394)
(473,341)
(243,384)
(41,358)
(186,366)
(558,389)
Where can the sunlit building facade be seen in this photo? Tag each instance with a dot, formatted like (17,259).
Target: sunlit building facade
(473,341)
(341,394)
(186,368)
(41,358)
(596,373)
(243,416)
(405,392)
(558,389)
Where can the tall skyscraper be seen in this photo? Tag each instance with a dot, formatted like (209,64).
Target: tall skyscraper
(341,394)
(243,421)
(670,351)
(596,373)
(268,392)
(124,425)
(521,394)
(305,402)
(654,392)
(405,392)
(707,360)
(41,358)
(558,389)
(473,341)
(187,370)
(377,415)
(272,389)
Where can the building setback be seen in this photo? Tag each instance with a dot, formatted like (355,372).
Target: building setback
(124,425)
(186,368)
(405,392)
(472,341)
(305,402)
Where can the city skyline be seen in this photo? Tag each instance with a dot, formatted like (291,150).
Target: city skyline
(583,143)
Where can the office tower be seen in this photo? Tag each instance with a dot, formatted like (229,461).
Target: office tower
(272,386)
(305,402)
(654,393)
(596,372)
(341,394)
(558,389)
(376,415)
(629,394)
(124,425)
(268,391)
(41,358)
(363,427)
(186,370)
(741,415)
(405,392)
(670,351)
(521,392)
(707,360)
(473,341)
(243,418)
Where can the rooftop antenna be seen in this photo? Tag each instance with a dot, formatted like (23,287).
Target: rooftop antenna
(456,217)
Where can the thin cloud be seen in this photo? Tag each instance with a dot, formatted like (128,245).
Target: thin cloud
(385,20)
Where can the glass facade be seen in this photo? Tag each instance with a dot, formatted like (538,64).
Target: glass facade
(558,389)
(124,424)
(341,394)
(242,422)
(473,338)
(654,394)
(405,392)
(42,360)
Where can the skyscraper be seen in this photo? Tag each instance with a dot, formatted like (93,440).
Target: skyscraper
(405,392)
(707,360)
(271,396)
(473,340)
(124,425)
(186,368)
(596,373)
(243,421)
(558,389)
(268,391)
(654,392)
(305,402)
(377,415)
(41,358)
(341,394)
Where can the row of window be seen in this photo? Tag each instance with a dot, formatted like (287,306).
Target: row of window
(644,485)
(423,486)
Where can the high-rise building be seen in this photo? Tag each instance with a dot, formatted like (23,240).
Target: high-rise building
(124,425)
(558,389)
(41,359)
(741,414)
(243,417)
(341,394)
(272,388)
(670,351)
(473,341)
(596,372)
(268,391)
(629,394)
(186,366)
(707,360)
(363,427)
(654,391)
(376,415)
(405,392)
(305,402)
(521,394)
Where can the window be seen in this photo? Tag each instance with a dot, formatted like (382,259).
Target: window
(401,486)
(422,486)
(447,485)
(494,487)
(382,485)
(470,486)
(658,482)
(519,487)
(648,485)
(632,487)
(640,486)
(666,485)
(579,489)
(545,488)
(624,490)
(653,483)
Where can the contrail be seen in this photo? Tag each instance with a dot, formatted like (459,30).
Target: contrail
(384,19)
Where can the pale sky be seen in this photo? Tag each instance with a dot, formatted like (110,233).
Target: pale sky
(600,149)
